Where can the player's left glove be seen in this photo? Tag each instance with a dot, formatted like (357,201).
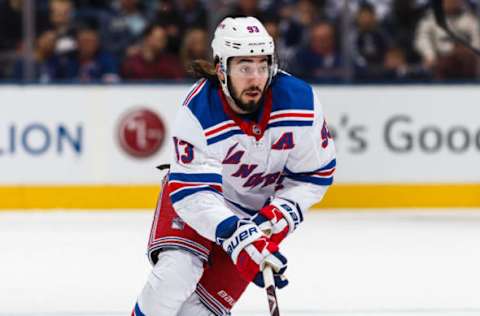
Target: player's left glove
(278,219)
(251,250)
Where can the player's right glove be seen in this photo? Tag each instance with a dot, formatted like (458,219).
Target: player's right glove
(278,219)
(251,250)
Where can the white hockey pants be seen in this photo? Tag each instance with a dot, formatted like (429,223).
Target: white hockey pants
(170,287)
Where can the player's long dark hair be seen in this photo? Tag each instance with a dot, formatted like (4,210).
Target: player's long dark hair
(204,69)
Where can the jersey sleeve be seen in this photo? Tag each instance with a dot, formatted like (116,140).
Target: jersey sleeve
(195,179)
(311,164)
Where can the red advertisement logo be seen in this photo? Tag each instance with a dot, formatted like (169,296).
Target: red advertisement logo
(141,132)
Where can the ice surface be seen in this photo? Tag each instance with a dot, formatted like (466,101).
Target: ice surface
(384,263)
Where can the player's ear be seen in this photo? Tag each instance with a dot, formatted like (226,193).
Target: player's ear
(219,71)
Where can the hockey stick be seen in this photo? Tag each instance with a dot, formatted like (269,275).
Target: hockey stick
(271,293)
(439,13)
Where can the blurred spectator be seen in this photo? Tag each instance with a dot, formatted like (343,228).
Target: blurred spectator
(335,8)
(61,21)
(10,34)
(89,63)
(307,12)
(194,14)
(291,31)
(382,7)
(320,60)
(123,27)
(284,53)
(396,68)
(370,43)
(194,46)
(168,16)
(433,43)
(11,24)
(93,4)
(295,19)
(459,64)
(152,61)
(178,17)
(243,8)
(401,25)
(395,64)
(306,47)
(44,67)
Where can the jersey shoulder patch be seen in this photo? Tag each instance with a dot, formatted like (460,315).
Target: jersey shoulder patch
(291,93)
(205,104)
(292,102)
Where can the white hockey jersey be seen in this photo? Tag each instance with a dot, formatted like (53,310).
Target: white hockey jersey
(224,165)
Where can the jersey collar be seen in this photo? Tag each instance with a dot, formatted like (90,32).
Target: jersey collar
(255,129)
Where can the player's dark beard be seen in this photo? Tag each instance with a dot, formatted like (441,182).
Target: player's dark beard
(248,107)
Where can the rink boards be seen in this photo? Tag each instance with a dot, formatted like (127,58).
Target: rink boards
(95,147)
(127,197)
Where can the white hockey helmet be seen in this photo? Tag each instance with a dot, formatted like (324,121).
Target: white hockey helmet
(245,36)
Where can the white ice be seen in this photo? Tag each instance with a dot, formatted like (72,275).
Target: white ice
(347,263)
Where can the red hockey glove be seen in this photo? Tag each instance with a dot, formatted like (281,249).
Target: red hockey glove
(250,250)
(278,219)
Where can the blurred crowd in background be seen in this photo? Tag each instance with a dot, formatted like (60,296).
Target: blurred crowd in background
(318,40)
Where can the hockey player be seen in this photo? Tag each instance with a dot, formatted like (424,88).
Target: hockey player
(251,154)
